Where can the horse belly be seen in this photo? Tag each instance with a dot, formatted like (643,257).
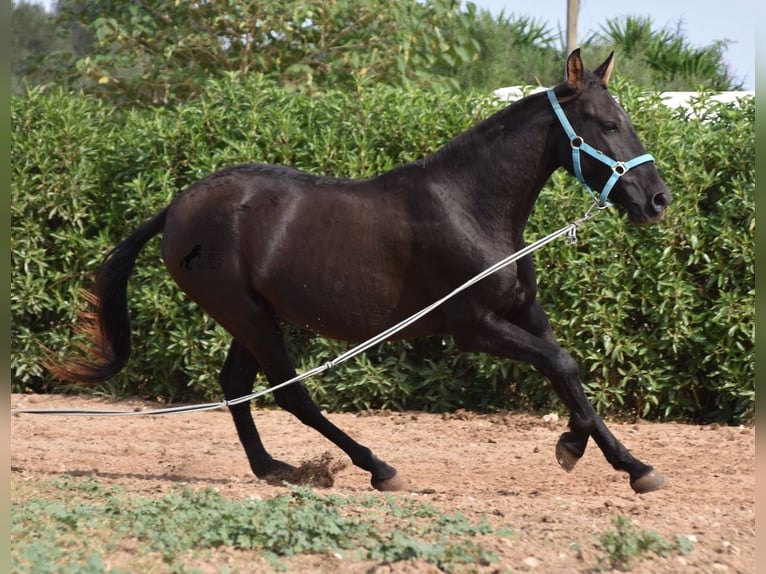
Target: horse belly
(333,297)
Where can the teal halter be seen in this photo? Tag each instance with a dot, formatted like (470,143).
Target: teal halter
(619,168)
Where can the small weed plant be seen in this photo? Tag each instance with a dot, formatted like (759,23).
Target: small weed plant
(625,543)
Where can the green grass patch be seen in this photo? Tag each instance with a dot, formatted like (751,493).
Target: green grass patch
(623,544)
(81,526)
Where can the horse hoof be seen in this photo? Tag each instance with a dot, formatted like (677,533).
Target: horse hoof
(652,480)
(276,472)
(279,467)
(565,457)
(392,484)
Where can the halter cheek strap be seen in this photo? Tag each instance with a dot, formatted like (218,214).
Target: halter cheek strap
(619,168)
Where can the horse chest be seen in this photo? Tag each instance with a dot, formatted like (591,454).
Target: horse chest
(506,291)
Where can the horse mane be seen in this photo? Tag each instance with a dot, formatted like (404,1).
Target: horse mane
(564,93)
(506,117)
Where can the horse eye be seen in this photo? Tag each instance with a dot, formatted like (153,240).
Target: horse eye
(610,127)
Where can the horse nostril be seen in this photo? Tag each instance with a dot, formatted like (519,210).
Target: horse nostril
(660,201)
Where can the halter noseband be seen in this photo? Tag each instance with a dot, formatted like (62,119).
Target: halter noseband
(619,168)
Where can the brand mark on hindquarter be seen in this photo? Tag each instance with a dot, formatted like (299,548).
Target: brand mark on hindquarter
(202,258)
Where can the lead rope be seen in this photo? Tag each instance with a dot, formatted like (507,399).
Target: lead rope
(570,231)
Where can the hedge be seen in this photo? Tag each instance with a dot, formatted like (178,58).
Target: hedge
(660,318)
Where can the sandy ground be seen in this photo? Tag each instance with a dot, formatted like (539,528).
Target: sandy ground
(499,465)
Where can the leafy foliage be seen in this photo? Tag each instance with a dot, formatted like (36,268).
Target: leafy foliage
(48,533)
(660,318)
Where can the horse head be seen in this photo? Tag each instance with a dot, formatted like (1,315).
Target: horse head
(600,145)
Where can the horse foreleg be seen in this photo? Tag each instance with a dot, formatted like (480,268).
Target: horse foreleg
(531,341)
(571,445)
(643,478)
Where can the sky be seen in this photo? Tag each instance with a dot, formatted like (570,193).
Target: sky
(702,23)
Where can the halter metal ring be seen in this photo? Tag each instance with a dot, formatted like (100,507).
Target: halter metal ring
(576,142)
(620,168)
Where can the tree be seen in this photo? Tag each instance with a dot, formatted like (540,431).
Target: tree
(664,56)
(164,51)
(161,50)
(513,50)
(33,37)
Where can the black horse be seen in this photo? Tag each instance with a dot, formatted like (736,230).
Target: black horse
(257,244)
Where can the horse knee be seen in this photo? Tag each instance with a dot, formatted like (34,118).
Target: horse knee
(564,366)
(564,374)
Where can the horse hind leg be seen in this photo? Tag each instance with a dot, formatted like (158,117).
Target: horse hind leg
(236,380)
(260,344)
(295,399)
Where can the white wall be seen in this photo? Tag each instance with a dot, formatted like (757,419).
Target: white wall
(671,99)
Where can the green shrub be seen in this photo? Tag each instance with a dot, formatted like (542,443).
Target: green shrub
(660,318)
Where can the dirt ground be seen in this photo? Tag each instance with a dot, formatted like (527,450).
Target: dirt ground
(499,465)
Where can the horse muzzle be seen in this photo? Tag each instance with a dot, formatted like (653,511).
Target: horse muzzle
(652,211)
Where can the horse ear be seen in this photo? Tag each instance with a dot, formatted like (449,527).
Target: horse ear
(604,71)
(575,69)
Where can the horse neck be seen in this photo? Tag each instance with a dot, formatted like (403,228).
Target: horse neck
(495,170)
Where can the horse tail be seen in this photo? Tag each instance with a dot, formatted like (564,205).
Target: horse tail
(107,325)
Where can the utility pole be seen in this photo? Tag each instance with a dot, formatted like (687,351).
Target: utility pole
(573,10)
